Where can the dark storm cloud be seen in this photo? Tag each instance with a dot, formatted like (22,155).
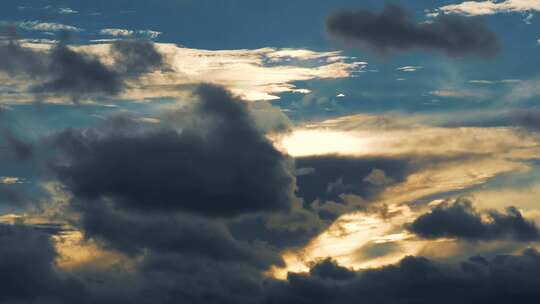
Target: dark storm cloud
(393,31)
(226,169)
(27,269)
(505,279)
(461,220)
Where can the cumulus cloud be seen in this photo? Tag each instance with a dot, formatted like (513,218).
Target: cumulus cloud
(418,280)
(225,169)
(393,31)
(461,220)
(478,8)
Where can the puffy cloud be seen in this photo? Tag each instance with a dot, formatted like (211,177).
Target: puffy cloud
(393,31)
(334,175)
(461,220)
(415,279)
(116,32)
(478,8)
(28,273)
(220,166)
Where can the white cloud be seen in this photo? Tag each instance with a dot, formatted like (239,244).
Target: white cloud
(47,26)
(150,34)
(66,10)
(9,180)
(489,7)
(409,68)
(489,82)
(118,32)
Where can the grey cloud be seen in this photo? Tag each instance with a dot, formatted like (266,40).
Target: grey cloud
(21,149)
(64,71)
(136,57)
(77,75)
(393,31)
(225,169)
(503,279)
(461,220)
(28,274)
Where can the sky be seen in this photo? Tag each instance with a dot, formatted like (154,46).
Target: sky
(234,151)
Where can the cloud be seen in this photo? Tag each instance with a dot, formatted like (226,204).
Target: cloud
(47,26)
(67,11)
(462,94)
(409,68)
(28,274)
(9,180)
(125,33)
(417,280)
(78,75)
(134,58)
(392,31)
(17,60)
(60,70)
(116,32)
(461,220)
(246,72)
(224,169)
(21,150)
(479,8)
(335,175)
(490,82)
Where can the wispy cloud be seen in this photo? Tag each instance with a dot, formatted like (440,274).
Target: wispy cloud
(47,26)
(66,11)
(257,74)
(409,68)
(123,33)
